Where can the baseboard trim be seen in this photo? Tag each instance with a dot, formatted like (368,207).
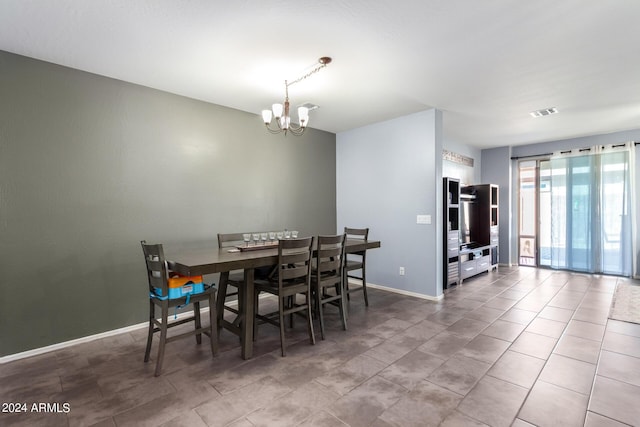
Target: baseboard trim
(89,338)
(131,328)
(400,291)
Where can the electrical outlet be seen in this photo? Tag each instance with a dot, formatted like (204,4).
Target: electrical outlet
(402,271)
(423,219)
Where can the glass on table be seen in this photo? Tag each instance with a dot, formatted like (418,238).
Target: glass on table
(264,238)
(287,234)
(256,238)
(294,234)
(272,236)
(247,238)
(279,235)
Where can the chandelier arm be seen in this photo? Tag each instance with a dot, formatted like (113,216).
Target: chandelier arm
(297,131)
(273,131)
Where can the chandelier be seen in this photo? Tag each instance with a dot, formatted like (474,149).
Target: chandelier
(281,111)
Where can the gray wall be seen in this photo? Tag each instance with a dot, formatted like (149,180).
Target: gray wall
(387,173)
(467,175)
(89,166)
(493,172)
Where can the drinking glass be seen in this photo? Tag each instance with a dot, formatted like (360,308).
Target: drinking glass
(280,235)
(272,236)
(287,234)
(264,238)
(256,238)
(247,238)
(294,234)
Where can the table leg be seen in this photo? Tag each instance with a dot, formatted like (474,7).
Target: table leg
(249,315)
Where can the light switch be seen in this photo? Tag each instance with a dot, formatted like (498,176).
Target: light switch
(423,219)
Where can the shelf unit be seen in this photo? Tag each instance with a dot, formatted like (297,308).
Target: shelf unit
(484,224)
(474,261)
(451,244)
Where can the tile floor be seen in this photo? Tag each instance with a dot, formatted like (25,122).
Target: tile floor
(515,347)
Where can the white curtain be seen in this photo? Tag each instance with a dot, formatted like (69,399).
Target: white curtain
(591,210)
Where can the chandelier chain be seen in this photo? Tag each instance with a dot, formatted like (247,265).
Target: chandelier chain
(309,74)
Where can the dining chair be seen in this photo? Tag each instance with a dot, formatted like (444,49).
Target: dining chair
(235,278)
(170,290)
(292,277)
(327,277)
(356,261)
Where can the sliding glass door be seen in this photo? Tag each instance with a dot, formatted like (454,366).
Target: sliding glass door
(528,218)
(583,218)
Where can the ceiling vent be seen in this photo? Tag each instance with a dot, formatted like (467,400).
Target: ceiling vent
(544,112)
(310,106)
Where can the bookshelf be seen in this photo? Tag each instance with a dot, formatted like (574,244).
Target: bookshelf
(483,254)
(451,244)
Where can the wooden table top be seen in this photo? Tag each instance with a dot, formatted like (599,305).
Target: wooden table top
(195,262)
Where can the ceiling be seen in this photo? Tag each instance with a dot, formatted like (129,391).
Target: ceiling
(485,64)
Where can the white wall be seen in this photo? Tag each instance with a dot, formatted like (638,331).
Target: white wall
(386,174)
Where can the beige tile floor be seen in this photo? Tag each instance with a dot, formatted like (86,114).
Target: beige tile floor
(515,347)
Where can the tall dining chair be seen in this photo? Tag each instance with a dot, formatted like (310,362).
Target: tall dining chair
(169,290)
(292,277)
(356,261)
(326,281)
(235,278)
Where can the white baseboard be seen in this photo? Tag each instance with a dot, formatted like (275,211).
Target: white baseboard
(65,344)
(131,328)
(400,291)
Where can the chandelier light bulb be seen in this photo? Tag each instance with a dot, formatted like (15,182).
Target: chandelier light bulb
(303,116)
(285,122)
(277,110)
(266,116)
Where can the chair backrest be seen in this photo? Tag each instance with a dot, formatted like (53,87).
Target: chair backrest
(294,261)
(156,267)
(357,234)
(330,259)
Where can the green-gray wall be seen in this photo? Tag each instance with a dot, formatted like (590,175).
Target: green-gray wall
(89,166)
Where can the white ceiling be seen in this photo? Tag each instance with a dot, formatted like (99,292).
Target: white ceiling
(486,64)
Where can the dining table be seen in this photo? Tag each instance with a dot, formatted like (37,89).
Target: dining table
(212,260)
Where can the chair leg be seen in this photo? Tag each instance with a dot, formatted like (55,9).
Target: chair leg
(152,316)
(213,324)
(222,294)
(312,337)
(281,306)
(198,324)
(364,286)
(345,284)
(255,318)
(320,310)
(290,303)
(240,299)
(343,310)
(163,337)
